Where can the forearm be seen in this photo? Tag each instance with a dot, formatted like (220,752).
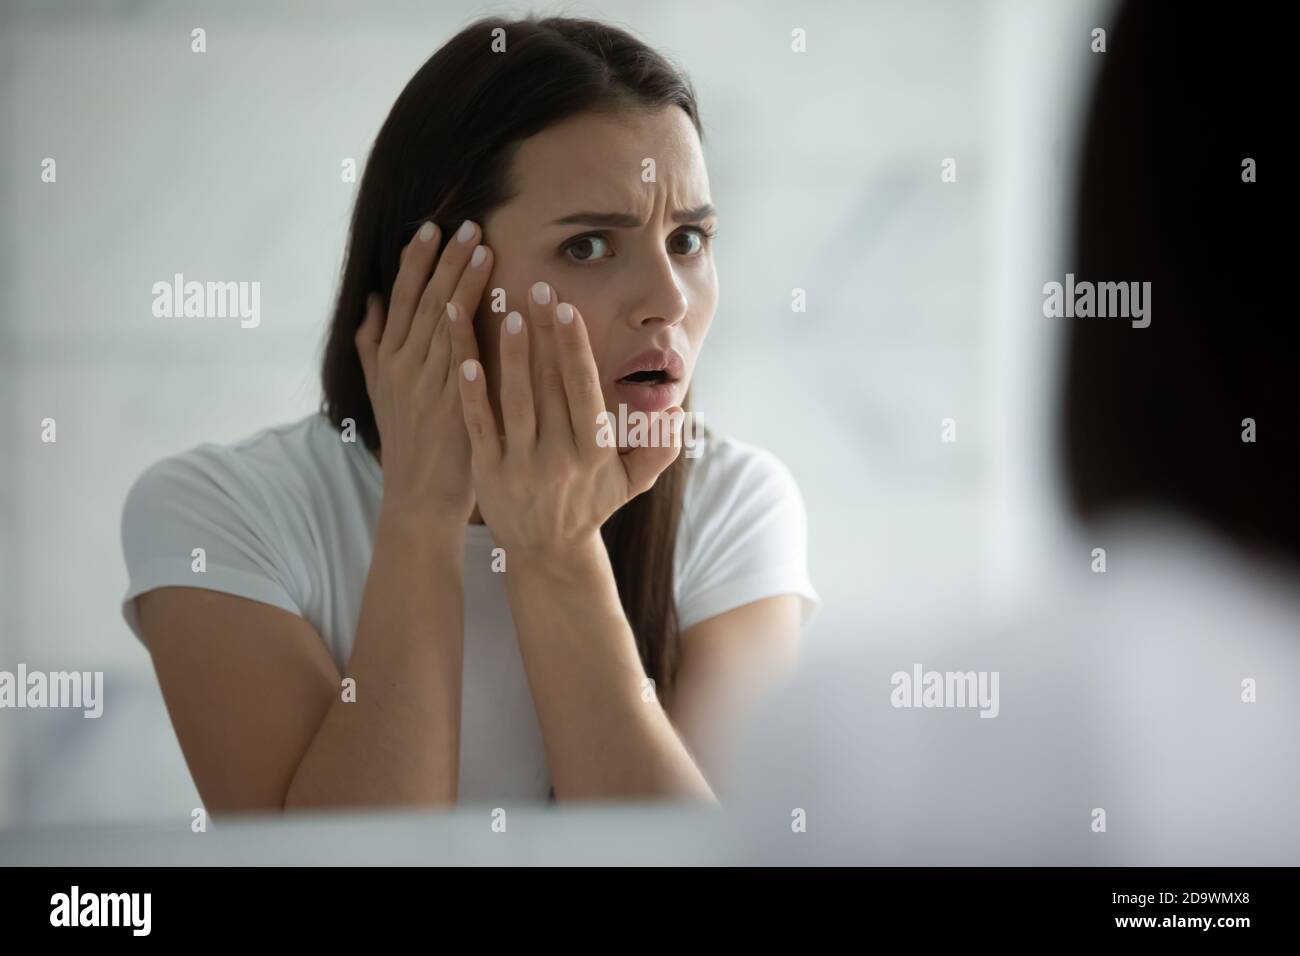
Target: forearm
(398,742)
(603,737)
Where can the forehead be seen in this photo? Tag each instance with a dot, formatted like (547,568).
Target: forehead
(594,162)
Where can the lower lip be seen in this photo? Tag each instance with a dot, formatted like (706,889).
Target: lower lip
(647,398)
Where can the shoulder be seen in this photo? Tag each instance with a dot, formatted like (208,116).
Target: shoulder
(727,467)
(743,533)
(731,480)
(243,517)
(275,466)
(270,493)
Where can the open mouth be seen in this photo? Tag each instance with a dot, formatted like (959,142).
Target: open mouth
(661,366)
(647,377)
(651,380)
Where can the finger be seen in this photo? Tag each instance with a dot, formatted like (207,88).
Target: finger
(548,379)
(479,423)
(646,463)
(453,342)
(412,276)
(438,291)
(581,376)
(369,334)
(517,409)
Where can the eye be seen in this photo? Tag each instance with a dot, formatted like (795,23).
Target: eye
(697,240)
(594,246)
(585,246)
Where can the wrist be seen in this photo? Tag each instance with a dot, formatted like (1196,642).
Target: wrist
(437,537)
(571,564)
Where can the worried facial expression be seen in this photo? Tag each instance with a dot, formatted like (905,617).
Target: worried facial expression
(634,256)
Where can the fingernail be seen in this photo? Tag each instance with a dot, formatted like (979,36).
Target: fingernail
(480,253)
(466,230)
(514,323)
(470,369)
(541,293)
(453,313)
(427,231)
(564,312)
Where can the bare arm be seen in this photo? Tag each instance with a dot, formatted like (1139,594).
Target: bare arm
(605,735)
(728,664)
(246,685)
(257,703)
(398,743)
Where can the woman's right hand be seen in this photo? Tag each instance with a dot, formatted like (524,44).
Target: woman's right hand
(411,360)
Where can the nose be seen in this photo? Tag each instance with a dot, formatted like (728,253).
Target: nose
(659,298)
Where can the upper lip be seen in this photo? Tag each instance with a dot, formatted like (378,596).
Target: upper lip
(668,361)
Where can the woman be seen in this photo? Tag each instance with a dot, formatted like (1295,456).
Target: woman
(480,600)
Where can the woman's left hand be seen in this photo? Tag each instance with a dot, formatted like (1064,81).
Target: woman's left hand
(548,490)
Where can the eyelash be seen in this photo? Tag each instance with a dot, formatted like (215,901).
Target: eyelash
(707,234)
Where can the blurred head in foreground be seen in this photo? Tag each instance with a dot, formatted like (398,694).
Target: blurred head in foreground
(1154,417)
(1142,712)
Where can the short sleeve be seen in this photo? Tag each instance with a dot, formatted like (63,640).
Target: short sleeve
(201,500)
(746,535)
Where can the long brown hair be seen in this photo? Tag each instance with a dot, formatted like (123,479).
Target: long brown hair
(444,153)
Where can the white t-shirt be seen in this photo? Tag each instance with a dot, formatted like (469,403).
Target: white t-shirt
(287,517)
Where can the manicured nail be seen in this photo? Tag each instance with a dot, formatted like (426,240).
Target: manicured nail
(427,231)
(470,369)
(466,231)
(514,323)
(564,312)
(541,293)
(480,254)
(453,313)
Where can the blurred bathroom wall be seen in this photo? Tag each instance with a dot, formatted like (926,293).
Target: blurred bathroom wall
(826,170)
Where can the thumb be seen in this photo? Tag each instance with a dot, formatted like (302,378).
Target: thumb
(644,465)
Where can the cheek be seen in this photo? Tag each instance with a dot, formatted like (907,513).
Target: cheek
(598,335)
(487,332)
(513,274)
(707,296)
(697,329)
(698,325)
(506,291)
(704,305)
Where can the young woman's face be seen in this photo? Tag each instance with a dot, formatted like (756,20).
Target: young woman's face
(633,255)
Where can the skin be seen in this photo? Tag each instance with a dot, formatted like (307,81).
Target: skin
(515,446)
(637,288)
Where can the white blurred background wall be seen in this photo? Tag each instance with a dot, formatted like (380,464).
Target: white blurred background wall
(923,296)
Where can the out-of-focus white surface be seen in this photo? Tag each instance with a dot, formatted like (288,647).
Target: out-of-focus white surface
(1120,691)
(642,834)
(225,166)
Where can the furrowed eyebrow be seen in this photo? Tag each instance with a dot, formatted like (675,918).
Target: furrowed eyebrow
(623,220)
(694,215)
